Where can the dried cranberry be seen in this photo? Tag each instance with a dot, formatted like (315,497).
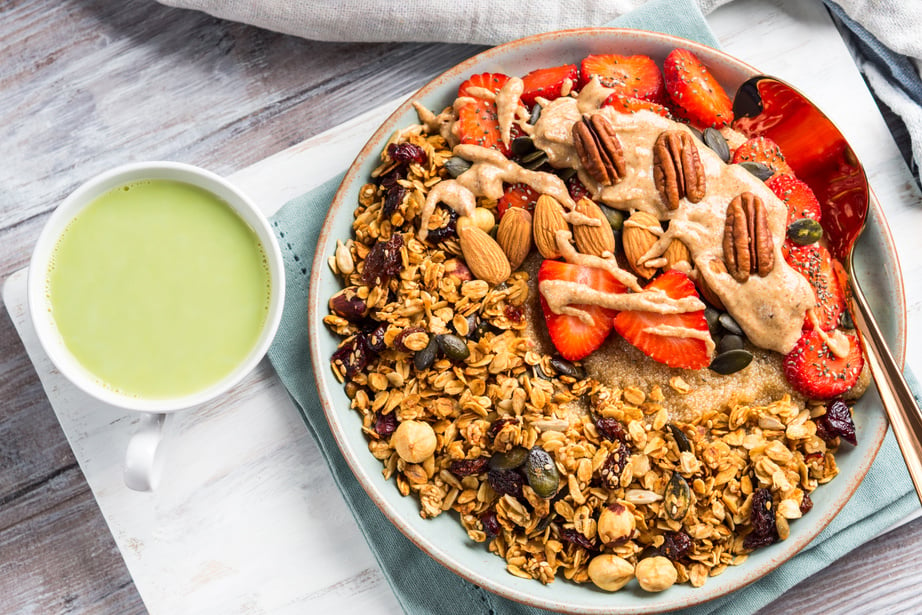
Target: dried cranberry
(383,260)
(514,313)
(610,429)
(490,523)
(506,482)
(806,505)
(392,199)
(837,422)
(498,425)
(406,152)
(375,338)
(389,180)
(764,531)
(614,465)
(355,355)
(577,538)
(385,424)
(469,467)
(448,231)
(676,545)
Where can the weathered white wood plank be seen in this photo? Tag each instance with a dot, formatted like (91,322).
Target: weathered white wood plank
(80,84)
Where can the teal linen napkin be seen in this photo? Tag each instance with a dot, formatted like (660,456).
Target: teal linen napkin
(884,497)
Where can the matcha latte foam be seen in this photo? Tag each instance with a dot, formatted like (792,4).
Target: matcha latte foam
(159,289)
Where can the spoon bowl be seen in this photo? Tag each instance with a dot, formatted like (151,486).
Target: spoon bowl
(820,156)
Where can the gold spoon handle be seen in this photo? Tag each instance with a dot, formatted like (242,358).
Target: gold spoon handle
(897,398)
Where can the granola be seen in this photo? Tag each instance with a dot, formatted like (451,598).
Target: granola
(595,470)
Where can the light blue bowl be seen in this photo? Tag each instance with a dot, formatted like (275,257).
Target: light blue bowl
(443,538)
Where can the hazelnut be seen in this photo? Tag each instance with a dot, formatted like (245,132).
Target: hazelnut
(655,573)
(483,219)
(616,524)
(414,441)
(610,572)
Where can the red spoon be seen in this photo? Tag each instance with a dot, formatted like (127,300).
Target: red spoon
(821,157)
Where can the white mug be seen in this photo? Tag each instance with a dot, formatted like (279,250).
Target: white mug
(143,464)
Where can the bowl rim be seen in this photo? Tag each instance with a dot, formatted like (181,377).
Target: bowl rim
(372,483)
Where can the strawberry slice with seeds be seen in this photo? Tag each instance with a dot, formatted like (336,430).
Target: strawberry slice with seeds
(631,76)
(814,371)
(797,195)
(548,83)
(576,188)
(692,87)
(476,85)
(764,150)
(814,262)
(573,337)
(478,125)
(517,195)
(625,104)
(675,351)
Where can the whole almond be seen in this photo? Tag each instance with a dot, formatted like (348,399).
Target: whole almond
(676,253)
(484,257)
(514,235)
(638,239)
(547,221)
(593,240)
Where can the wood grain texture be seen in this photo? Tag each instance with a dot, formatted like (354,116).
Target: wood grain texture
(86,85)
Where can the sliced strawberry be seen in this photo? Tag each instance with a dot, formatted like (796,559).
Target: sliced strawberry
(576,188)
(814,371)
(492,82)
(478,125)
(764,150)
(624,104)
(797,195)
(631,76)
(548,82)
(685,352)
(692,87)
(815,263)
(573,338)
(517,195)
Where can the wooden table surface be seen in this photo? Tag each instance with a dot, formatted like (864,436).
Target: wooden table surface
(86,85)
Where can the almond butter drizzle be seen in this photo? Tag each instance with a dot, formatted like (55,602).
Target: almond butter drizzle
(507,102)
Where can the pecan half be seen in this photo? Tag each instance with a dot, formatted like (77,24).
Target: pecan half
(677,169)
(599,149)
(748,245)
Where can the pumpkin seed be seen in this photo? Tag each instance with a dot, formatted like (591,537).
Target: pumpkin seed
(566,174)
(541,472)
(534,160)
(510,460)
(726,321)
(711,315)
(456,165)
(731,361)
(677,498)
(713,139)
(729,342)
(805,231)
(758,169)
(535,115)
(522,146)
(697,133)
(565,368)
(681,440)
(615,218)
(424,358)
(454,347)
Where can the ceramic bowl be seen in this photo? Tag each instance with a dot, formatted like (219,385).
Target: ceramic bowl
(443,538)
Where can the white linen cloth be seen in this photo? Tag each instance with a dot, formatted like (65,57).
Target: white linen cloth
(895,24)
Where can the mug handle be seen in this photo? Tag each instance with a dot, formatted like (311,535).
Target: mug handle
(143,463)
